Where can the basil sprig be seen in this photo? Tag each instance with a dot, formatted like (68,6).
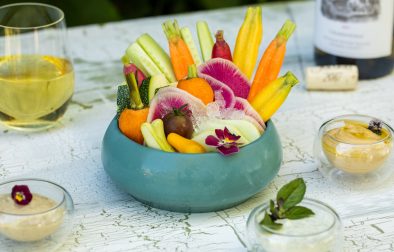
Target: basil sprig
(286,205)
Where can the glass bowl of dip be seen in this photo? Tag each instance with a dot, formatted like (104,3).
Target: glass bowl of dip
(322,231)
(41,225)
(352,153)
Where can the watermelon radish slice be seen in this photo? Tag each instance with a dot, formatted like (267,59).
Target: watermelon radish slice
(255,123)
(168,98)
(244,105)
(228,73)
(223,94)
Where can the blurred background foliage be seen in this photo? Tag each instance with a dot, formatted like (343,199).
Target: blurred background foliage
(81,12)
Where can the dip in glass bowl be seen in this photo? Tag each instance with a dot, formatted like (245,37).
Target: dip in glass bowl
(355,150)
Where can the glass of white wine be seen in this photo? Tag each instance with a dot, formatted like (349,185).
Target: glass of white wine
(36,74)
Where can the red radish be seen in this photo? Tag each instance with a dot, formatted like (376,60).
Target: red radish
(227,73)
(168,98)
(131,68)
(222,92)
(244,105)
(220,48)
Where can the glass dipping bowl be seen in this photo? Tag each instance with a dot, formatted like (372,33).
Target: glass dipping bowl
(38,230)
(318,233)
(357,165)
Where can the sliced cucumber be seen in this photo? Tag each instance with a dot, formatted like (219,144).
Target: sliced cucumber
(156,82)
(157,55)
(154,136)
(205,39)
(213,124)
(161,139)
(188,38)
(246,128)
(150,85)
(149,136)
(136,55)
(144,91)
(122,98)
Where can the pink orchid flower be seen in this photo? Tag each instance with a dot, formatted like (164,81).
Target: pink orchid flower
(224,141)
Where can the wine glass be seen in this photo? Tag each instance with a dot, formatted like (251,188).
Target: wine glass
(36,74)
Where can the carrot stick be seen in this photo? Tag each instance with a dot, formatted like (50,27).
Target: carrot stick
(272,60)
(180,55)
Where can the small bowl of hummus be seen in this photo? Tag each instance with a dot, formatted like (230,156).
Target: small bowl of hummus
(34,214)
(355,150)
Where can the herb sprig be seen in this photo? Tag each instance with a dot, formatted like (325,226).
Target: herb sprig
(286,205)
(376,126)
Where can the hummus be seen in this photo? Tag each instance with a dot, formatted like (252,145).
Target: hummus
(32,222)
(354,148)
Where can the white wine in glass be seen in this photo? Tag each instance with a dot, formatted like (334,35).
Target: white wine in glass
(36,74)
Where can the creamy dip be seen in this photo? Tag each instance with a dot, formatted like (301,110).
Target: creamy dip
(318,233)
(32,222)
(356,149)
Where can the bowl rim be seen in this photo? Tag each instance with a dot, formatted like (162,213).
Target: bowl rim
(345,117)
(336,219)
(56,21)
(66,195)
(114,123)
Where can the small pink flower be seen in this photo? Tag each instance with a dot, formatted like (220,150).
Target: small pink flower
(21,194)
(224,141)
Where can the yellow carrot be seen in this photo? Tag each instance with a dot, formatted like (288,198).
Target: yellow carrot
(248,41)
(266,104)
(184,145)
(275,103)
(265,95)
(272,60)
(180,55)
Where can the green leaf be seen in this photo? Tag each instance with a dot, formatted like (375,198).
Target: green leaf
(292,193)
(298,212)
(269,223)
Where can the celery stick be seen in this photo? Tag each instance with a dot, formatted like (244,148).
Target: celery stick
(137,56)
(157,55)
(205,39)
(134,92)
(188,38)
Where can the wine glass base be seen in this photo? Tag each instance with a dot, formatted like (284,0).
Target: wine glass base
(31,126)
(43,123)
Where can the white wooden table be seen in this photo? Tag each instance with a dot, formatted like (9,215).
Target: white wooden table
(108,219)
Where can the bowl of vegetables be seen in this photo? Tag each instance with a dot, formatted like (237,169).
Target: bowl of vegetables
(194,134)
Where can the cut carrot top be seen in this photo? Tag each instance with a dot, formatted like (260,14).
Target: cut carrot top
(180,55)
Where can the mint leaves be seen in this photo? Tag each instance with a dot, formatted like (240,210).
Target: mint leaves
(285,207)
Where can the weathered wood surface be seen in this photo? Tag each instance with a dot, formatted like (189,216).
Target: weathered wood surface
(109,220)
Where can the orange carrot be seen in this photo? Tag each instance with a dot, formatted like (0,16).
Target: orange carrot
(130,122)
(272,60)
(180,55)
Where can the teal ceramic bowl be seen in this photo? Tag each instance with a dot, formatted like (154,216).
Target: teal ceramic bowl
(190,182)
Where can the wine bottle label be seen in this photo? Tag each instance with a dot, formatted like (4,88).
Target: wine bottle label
(361,29)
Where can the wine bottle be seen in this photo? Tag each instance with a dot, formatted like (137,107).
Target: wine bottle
(355,32)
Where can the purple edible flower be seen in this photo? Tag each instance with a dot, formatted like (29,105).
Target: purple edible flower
(224,141)
(21,194)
